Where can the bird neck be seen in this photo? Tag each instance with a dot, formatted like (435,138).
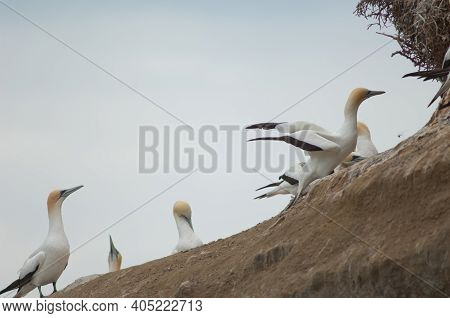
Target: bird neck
(184,228)
(351,114)
(364,137)
(55,221)
(365,146)
(115,262)
(114,266)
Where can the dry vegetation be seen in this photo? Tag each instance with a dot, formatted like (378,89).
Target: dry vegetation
(422,27)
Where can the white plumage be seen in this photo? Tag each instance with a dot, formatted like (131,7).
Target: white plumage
(183,217)
(326,149)
(288,183)
(46,264)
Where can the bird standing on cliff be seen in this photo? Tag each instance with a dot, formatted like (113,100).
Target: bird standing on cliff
(45,265)
(289,179)
(114,257)
(183,217)
(440,74)
(326,149)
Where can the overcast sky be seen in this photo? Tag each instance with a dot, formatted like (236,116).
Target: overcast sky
(64,122)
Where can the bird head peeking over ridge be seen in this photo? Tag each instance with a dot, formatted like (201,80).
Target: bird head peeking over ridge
(183,210)
(362,129)
(114,257)
(187,239)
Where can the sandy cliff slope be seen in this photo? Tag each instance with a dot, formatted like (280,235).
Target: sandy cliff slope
(379,228)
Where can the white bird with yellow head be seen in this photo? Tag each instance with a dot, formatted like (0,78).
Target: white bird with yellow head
(46,264)
(183,218)
(325,149)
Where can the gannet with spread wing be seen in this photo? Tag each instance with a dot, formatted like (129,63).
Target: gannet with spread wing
(326,149)
(288,183)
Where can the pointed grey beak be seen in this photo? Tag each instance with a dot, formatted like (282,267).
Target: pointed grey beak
(112,248)
(188,220)
(66,193)
(374,93)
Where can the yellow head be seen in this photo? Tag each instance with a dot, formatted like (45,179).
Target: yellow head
(57,197)
(53,199)
(358,95)
(362,129)
(182,208)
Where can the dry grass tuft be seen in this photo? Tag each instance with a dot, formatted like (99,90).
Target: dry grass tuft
(423,27)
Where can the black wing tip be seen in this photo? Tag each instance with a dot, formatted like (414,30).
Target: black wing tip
(255,126)
(290,180)
(263,138)
(428,75)
(414,74)
(14,285)
(265,126)
(312,148)
(19,283)
(260,197)
(275,184)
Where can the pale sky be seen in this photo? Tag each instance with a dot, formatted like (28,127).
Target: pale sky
(64,122)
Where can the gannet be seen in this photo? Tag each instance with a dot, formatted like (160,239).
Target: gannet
(187,238)
(440,74)
(288,183)
(326,149)
(289,180)
(364,147)
(114,257)
(46,264)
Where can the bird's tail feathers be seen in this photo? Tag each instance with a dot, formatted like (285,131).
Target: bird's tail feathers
(19,283)
(14,285)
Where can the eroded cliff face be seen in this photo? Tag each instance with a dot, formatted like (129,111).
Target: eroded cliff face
(380,228)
